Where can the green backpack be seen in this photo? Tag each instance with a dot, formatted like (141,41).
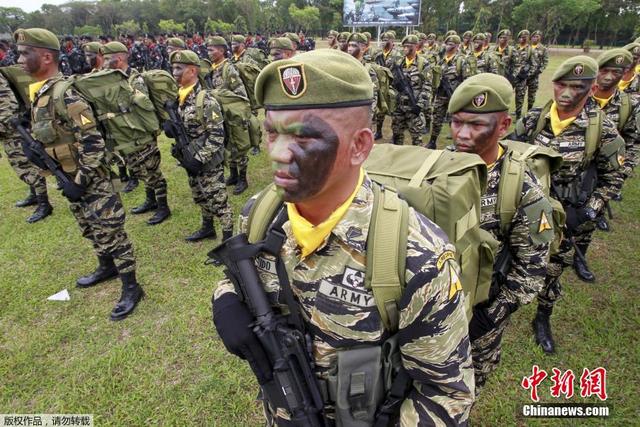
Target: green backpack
(19,81)
(162,88)
(258,56)
(249,74)
(625,109)
(445,187)
(236,113)
(126,117)
(386,93)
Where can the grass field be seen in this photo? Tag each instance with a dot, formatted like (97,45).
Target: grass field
(165,365)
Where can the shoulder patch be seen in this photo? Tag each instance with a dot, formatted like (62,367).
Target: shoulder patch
(454,281)
(84,120)
(544,223)
(293,80)
(446,255)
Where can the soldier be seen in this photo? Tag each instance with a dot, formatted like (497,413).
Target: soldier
(155,58)
(525,63)
(280,48)
(480,119)
(466,46)
(294,40)
(505,55)
(260,43)
(7,55)
(205,131)
(93,56)
(71,127)
(11,107)
(588,177)
(357,45)
(317,143)
(370,51)
(454,69)
(225,76)
(386,57)
(430,45)
(481,61)
(75,56)
(138,53)
(417,74)
(630,82)
(487,40)
(539,60)
(343,39)
(332,39)
(143,164)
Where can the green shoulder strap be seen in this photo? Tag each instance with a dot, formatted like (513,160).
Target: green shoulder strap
(459,62)
(593,135)
(58,92)
(625,109)
(541,121)
(262,212)
(510,189)
(200,105)
(387,253)
(19,82)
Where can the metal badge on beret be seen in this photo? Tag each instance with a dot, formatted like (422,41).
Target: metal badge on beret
(293,80)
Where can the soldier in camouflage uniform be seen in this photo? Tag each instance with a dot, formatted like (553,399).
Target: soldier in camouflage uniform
(370,50)
(205,131)
(453,69)
(224,75)
(138,53)
(466,46)
(343,40)
(332,39)
(417,72)
(386,57)
(280,48)
(525,63)
(505,55)
(70,129)
(93,56)
(630,82)
(75,57)
(357,46)
(431,46)
(155,58)
(326,265)
(565,130)
(11,107)
(480,60)
(143,164)
(7,55)
(540,60)
(480,118)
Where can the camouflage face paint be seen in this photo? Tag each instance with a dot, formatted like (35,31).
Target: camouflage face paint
(474,133)
(568,94)
(303,154)
(608,77)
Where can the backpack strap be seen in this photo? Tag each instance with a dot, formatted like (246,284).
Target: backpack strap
(541,121)
(423,170)
(262,212)
(593,135)
(625,109)
(200,105)
(510,189)
(387,253)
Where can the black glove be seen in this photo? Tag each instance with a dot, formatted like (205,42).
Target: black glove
(578,216)
(191,164)
(480,323)
(233,321)
(72,191)
(168,129)
(416,110)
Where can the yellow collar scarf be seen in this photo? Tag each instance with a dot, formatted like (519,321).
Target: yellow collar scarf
(501,49)
(535,46)
(477,54)
(216,66)
(308,236)
(500,153)
(34,88)
(624,84)
(408,63)
(557,125)
(448,58)
(637,69)
(183,92)
(603,101)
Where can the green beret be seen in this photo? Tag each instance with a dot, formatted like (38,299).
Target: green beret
(637,40)
(36,37)
(432,36)
(479,36)
(344,36)
(468,34)
(422,36)
(616,58)
(576,68)
(367,34)
(504,32)
(186,56)
(324,78)
(524,33)
(449,33)
(114,47)
(482,93)
(393,33)
(280,43)
(452,38)
(293,37)
(634,48)
(216,41)
(537,33)
(238,38)
(333,33)
(358,38)
(410,39)
(176,42)
(93,47)
(388,36)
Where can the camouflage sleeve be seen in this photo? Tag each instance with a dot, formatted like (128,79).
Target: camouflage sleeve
(79,118)
(138,83)
(234,82)
(214,127)
(9,107)
(376,88)
(534,61)
(631,134)
(527,124)
(426,90)
(545,58)
(609,159)
(472,62)
(433,331)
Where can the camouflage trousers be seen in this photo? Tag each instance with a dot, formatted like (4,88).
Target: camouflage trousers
(406,120)
(255,144)
(145,165)
(101,217)
(532,90)
(520,87)
(26,171)
(552,290)
(486,352)
(379,119)
(440,105)
(237,157)
(210,193)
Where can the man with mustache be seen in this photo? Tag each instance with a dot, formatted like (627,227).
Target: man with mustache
(318,113)
(93,56)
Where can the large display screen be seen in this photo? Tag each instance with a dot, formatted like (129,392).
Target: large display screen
(381,12)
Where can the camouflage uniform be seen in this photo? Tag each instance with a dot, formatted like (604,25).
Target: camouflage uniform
(385,59)
(634,86)
(155,59)
(376,86)
(454,70)
(63,64)
(208,188)
(540,60)
(525,62)
(570,144)
(10,58)
(505,60)
(138,54)
(245,58)
(485,62)
(419,75)
(341,313)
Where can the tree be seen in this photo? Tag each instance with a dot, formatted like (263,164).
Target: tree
(170,26)
(307,18)
(92,30)
(240,24)
(12,17)
(218,26)
(127,27)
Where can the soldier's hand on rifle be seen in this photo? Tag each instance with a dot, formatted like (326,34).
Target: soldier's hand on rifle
(168,130)
(72,191)
(416,110)
(578,216)
(481,322)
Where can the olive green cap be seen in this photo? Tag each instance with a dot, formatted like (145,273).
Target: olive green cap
(422,36)
(280,43)
(505,32)
(410,39)
(576,68)
(367,34)
(176,42)
(36,37)
(216,41)
(324,78)
(615,58)
(468,34)
(479,36)
(358,38)
(293,37)
(93,47)
(432,36)
(238,38)
(333,33)
(393,33)
(388,36)
(186,56)
(524,33)
(452,38)
(537,33)
(634,48)
(114,47)
(450,32)
(637,40)
(344,36)
(482,93)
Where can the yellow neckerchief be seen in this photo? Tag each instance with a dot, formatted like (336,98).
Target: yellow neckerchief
(637,70)
(386,53)
(500,153)
(448,58)
(183,92)
(238,56)
(557,125)
(624,84)
(308,236)
(34,88)
(501,49)
(522,47)
(408,63)
(477,54)
(216,66)
(535,46)
(603,101)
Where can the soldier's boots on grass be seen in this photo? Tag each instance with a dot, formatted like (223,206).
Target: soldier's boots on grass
(580,266)
(378,134)
(242,184)
(106,270)
(207,231)
(233,177)
(30,200)
(162,212)
(43,210)
(132,184)
(149,203)
(132,293)
(603,224)
(542,330)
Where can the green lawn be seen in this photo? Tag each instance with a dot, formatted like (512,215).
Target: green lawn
(165,365)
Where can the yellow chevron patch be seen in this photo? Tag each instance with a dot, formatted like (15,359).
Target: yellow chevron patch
(454,282)
(84,120)
(544,223)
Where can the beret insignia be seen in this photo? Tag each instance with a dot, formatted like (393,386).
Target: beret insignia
(177,56)
(293,80)
(619,60)
(21,37)
(578,70)
(479,100)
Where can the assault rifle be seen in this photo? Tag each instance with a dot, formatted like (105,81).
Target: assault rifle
(174,128)
(403,85)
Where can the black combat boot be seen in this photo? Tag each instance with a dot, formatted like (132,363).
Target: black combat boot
(207,231)
(242,183)
(227,234)
(378,134)
(233,176)
(132,293)
(255,151)
(542,329)
(163,212)
(132,184)
(149,203)
(30,200)
(617,198)
(106,270)
(580,266)
(603,224)
(432,144)
(43,210)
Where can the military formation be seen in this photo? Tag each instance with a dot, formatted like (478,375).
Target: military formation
(354,279)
